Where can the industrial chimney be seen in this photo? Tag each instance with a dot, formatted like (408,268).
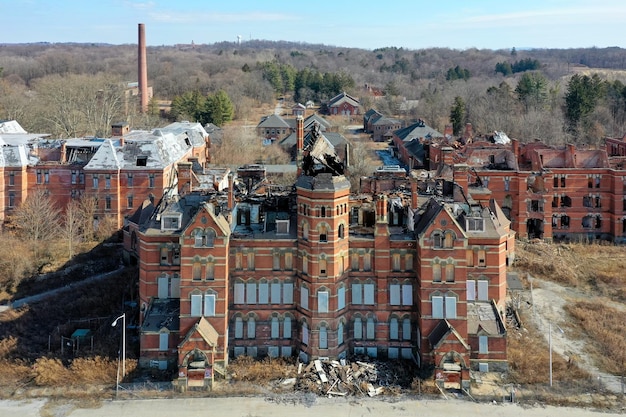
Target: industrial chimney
(142,70)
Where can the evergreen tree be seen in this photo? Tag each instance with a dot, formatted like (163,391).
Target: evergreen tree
(457,115)
(531,90)
(583,94)
(219,109)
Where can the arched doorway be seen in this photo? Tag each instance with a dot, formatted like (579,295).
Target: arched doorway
(450,370)
(198,367)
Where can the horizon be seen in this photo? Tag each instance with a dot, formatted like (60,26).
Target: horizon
(537,24)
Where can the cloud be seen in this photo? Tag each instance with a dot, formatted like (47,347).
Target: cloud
(581,15)
(208,17)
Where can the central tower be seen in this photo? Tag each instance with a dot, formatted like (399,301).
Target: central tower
(323,253)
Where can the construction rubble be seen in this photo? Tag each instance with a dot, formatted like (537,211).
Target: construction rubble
(342,378)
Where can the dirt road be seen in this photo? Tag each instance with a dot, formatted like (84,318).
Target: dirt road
(259,407)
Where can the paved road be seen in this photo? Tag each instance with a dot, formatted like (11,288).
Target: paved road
(260,407)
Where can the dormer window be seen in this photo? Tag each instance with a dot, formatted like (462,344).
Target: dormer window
(475,224)
(142,161)
(170,222)
(282,227)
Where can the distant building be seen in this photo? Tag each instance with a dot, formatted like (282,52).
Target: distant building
(344,104)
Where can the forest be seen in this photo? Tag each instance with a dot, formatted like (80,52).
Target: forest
(554,95)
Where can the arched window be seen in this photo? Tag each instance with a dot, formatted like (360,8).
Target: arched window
(437,272)
(437,240)
(323,211)
(323,233)
(210,238)
(450,272)
(305,231)
(340,333)
(323,336)
(340,232)
(393,329)
(448,240)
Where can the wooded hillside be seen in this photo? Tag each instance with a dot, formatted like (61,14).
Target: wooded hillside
(528,94)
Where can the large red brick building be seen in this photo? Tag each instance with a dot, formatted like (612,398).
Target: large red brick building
(314,270)
(118,172)
(550,193)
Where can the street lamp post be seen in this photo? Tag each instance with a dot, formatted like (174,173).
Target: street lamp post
(123,317)
(550,347)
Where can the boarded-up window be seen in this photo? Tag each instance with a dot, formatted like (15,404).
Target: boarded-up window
(163,290)
(210,271)
(251,261)
(197,271)
(305,333)
(209,305)
(483,344)
(471,289)
(394,294)
(408,262)
(358,328)
(393,329)
(354,263)
(175,287)
(406,329)
(240,291)
(276,261)
(275,328)
(341,298)
(368,290)
(251,328)
(264,293)
(288,261)
(275,292)
(323,267)
(305,264)
(304,298)
(238,328)
(469,255)
(436,272)
(395,262)
(196,305)
(322,301)
(163,341)
(437,302)
(450,272)
(367,262)
(407,294)
(370,329)
(323,337)
(357,294)
(251,293)
(287,328)
(450,307)
(340,334)
(288,293)
(483,290)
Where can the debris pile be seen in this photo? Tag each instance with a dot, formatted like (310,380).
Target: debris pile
(342,378)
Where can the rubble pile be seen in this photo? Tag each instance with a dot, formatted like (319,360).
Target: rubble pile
(342,378)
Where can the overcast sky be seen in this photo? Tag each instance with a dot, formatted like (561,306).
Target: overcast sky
(368,24)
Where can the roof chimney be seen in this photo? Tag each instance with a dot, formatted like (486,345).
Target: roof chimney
(184,178)
(231,191)
(142,70)
(299,142)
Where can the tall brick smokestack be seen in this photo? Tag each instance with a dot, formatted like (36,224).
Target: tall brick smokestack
(142,70)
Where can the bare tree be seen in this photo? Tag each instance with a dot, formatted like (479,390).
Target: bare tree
(71,226)
(86,213)
(36,221)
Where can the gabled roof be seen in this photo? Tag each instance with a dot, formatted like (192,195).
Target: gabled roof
(441,332)
(156,150)
(11,126)
(371,114)
(13,156)
(386,121)
(341,98)
(273,121)
(314,118)
(195,132)
(205,330)
(105,157)
(483,317)
(416,131)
